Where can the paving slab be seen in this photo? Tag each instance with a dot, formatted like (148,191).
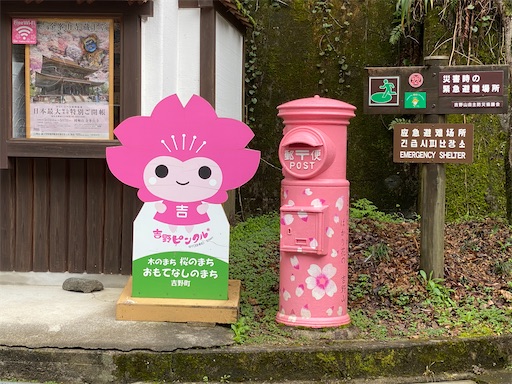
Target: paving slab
(48,334)
(453,382)
(496,377)
(49,317)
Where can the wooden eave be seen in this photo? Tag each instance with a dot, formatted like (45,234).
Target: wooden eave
(233,9)
(146,6)
(84,1)
(227,8)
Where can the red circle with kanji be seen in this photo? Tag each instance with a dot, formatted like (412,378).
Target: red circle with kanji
(416,80)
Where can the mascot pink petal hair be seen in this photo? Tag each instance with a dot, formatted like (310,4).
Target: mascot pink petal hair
(182,158)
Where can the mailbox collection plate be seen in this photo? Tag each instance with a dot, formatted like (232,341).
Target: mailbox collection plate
(304,237)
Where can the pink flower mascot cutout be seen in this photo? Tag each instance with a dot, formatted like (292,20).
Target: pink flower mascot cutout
(183,158)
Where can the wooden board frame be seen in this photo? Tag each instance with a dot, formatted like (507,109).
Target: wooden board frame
(179,310)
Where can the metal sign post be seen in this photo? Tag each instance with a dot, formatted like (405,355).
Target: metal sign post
(433,91)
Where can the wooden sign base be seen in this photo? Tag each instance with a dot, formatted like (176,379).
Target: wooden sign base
(179,310)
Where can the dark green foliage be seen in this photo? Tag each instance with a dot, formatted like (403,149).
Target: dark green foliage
(365,209)
(254,259)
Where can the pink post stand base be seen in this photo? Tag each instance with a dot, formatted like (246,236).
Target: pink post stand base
(317,322)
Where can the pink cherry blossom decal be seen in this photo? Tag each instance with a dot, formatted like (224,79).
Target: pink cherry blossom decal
(299,291)
(303,215)
(320,281)
(317,203)
(313,243)
(308,192)
(305,312)
(329,232)
(287,219)
(295,262)
(339,203)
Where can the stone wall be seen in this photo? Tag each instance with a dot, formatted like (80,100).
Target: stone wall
(301,51)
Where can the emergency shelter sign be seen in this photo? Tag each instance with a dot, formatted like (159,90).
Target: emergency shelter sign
(442,90)
(433,143)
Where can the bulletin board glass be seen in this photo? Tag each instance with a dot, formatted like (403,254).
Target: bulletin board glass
(69,80)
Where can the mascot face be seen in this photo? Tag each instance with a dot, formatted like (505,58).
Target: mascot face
(196,179)
(183,153)
(90,43)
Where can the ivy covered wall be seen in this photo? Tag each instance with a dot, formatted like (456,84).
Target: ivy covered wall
(478,189)
(305,49)
(309,47)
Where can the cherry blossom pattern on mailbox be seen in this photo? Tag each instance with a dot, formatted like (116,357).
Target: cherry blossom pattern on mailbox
(313,286)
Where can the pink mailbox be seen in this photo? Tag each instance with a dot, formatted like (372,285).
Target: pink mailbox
(314,213)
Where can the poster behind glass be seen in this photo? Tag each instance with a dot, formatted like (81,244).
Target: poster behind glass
(69,80)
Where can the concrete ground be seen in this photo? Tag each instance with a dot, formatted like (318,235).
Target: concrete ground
(48,334)
(287,382)
(46,316)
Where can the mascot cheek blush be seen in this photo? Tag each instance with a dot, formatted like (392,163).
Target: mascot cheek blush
(182,160)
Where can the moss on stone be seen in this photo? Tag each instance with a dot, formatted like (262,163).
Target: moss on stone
(434,33)
(354,359)
(143,367)
(477,189)
(288,57)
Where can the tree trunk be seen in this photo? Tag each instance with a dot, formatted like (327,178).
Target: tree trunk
(505,10)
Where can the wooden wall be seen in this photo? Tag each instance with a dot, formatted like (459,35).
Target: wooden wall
(65,215)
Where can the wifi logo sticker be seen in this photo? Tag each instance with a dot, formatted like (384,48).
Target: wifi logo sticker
(24,31)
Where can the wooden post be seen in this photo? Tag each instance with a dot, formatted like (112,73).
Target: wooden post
(432,197)
(432,203)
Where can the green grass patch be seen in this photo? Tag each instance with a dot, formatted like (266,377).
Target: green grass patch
(389,298)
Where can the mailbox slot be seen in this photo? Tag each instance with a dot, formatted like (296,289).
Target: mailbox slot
(304,152)
(303,230)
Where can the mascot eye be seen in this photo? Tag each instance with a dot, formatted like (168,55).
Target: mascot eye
(161,171)
(205,172)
